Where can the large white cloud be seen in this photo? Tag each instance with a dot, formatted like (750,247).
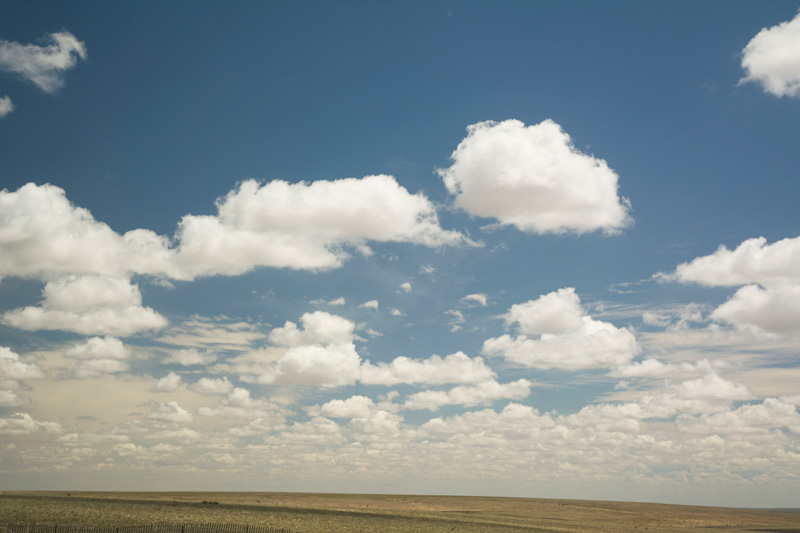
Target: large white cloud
(771,310)
(567,337)
(24,424)
(770,273)
(772,58)
(749,418)
(44,66)
(89,305)
(435,370)
(484,393)
(301,226)
(753,261)
(319,327)
(99,348)
(305,226)
(330,365)
(535,179)
(44,236)
(13,368)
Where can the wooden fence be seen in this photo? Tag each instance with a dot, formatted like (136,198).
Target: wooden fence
(153,528)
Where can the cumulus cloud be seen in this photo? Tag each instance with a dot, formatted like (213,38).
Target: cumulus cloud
(405,287)
(89,305)
(774,310)
(213,386)
(99,348)
(653,368)
(169,412)
(770,273)
(772,59)
(319,327)
(322,353)
(300,226)
(532,177)
(479,299)
(395,311)
(44,237)
(484,393)
(168,383)
(753,261)
(6,106)
(353,407)
(44,66)
(331,365)
(372,304)
(240,405)
(13,368)
(749,418)
(306,226)
(567,337)
(190,356)
(24,424)
(338,301)
(435,370)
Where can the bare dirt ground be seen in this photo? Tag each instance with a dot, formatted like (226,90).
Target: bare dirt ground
(311,513)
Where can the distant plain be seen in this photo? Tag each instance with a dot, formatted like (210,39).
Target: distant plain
(311,513)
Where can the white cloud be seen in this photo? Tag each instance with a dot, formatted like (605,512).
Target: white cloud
(479,298)
(6,106)
(774,310)
(353,407)
(484,393)
(338,301)
(190,356)
(535,179)
(44,236)
(306,226)
(213,386)
(99,348)
(331,365)
(749,418)
(319,327)
(372,304)
(219,333)
(168,383)
(454,368)
(568,338)
(753,261)
(89,305)
(553,313)
(405,287)
(24,424)
(712,387)
(653,368)
(169,412)
(301,226)
(770,273)
(395,311)
(13,368)
(772,58)
(11,399)
(457,320)
(44,66)
(239,405)
(95,368)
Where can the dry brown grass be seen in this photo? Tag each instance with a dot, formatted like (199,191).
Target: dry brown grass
(311,513)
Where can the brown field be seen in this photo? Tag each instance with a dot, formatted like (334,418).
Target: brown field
(309,513)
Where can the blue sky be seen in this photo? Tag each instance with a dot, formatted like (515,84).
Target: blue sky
(530,249)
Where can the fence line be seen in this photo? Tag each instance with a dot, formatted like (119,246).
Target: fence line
(152,528)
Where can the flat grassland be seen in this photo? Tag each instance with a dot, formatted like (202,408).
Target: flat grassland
(310,513)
